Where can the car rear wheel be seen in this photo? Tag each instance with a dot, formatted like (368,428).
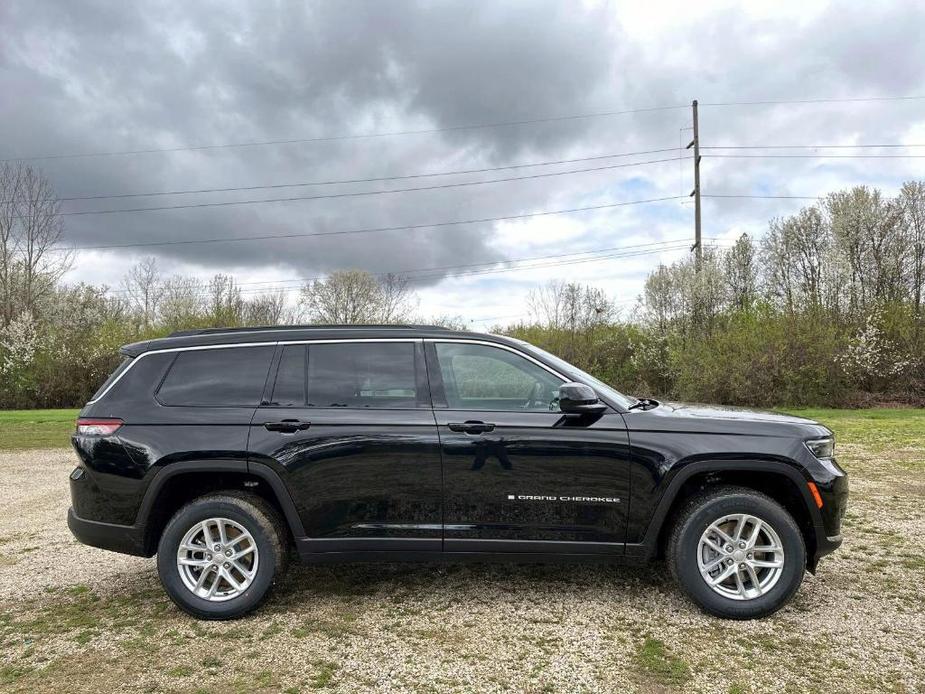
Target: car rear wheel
(219,555)
(737,553)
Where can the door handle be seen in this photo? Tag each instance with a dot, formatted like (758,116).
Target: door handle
(287,426)
(471,427)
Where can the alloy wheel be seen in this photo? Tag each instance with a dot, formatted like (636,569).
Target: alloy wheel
(217,559)
(740,556)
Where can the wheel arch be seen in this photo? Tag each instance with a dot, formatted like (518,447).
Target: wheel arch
(782,482)
(179,483)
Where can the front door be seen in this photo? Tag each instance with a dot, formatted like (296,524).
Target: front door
(349,426)
(519,476)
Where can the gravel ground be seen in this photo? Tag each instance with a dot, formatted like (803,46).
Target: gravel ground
(74,618)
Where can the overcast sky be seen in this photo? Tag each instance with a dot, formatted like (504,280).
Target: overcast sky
(81,77)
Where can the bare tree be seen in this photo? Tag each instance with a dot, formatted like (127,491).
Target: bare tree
(355,296)
(31,260)
(266,309)
(569,306)
(144,290)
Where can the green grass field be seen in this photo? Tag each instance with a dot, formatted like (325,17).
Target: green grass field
(875,428)
(21,429)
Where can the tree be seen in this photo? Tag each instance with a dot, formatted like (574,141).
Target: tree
(912,206)
(741,272)
(144,290)
(355,296)
(31,261)
(569,306)
(266,309)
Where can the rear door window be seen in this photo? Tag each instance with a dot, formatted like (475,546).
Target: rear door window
(225,377)
(361,374)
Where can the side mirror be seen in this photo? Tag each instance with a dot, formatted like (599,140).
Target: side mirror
(577,398)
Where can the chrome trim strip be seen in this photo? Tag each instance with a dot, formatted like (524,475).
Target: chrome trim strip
(322,341)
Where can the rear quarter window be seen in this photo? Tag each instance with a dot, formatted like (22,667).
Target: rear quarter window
(225,377)
(120,369)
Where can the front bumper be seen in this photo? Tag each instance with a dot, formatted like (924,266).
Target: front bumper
(126,539)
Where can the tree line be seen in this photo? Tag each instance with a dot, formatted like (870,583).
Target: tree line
(826,308)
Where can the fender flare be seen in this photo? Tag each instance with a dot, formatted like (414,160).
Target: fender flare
(789,471)
(260,470)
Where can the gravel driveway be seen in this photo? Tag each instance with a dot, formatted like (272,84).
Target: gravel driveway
(74,618)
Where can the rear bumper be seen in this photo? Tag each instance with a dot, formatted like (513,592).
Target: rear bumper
(125,539)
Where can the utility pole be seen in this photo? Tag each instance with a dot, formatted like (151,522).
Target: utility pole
(695,143)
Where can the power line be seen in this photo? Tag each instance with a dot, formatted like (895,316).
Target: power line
(228,203)
(815,101)
(866,146)
(371,230)
(333,138)
(815,156)
(654,245)
(767,197)
(196,191)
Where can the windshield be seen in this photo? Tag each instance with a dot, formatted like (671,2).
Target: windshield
(623,400)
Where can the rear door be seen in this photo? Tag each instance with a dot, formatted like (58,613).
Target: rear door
(349,426)
(518,475)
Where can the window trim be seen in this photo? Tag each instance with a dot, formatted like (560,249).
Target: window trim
(438,390)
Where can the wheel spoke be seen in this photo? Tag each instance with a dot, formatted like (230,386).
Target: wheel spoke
(713,545)
(740,586)
(186,561)
(243,553)
(207,534)
(222,533)
(753,538)
(770,549)
(740,526)
(224,573)
(215,583)
(726,573)
(240,567)
(766,564)
(719,531)
(752,574)
(713,564)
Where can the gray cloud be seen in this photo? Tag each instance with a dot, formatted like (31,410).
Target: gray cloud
(85,76)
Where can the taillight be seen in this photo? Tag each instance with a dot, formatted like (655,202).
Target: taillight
(87,426)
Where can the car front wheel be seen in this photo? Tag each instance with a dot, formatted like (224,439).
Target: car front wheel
(220,554)
(737,553)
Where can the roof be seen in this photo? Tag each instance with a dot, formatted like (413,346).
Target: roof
(271,334)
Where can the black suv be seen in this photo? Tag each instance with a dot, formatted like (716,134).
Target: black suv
(220,450)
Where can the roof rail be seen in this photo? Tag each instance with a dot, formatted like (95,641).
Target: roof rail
(264,328)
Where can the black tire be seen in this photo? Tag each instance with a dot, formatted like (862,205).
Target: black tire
(263,523)
(697,515)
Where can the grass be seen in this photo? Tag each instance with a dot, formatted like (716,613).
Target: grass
(659,664)
(22,429)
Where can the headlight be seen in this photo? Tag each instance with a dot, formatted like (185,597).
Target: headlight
(822,448)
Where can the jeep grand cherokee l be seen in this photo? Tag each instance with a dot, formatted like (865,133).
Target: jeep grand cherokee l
(221,450)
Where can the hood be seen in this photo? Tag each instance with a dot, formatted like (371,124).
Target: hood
(683,409)
(678,416)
